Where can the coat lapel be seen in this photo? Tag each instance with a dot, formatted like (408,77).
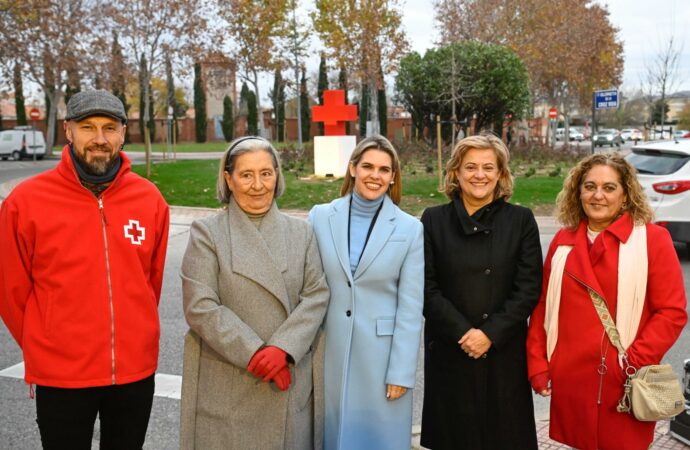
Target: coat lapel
(383,228)
(259,255)
(338,219)
(579,265)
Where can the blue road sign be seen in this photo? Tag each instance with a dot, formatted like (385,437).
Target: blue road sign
(606,99)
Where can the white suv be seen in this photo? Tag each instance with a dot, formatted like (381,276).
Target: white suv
(663,169)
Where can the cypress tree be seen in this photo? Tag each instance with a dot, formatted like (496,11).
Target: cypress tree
(73,84)
(383,112)
(228,123)
(279,104)
(252,114)
(342,84)
(363,110)
(322,86)
(19,95)
(49,81)
(244,95)
(143,68)
(142,90)
(152,115)
(199,105)
(172,101)
(304,102)
(119,84)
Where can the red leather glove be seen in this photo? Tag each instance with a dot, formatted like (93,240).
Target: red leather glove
(283,379)
(267,362)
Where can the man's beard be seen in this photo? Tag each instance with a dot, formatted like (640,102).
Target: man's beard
(98,165)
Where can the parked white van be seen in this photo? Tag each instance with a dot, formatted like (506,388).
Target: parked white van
(22,142)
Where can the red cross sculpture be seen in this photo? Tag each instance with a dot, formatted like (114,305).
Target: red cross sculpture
(334,113)
(135,232)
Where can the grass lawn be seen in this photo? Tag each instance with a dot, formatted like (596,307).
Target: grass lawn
(192,147)
(192,183)
(181,147)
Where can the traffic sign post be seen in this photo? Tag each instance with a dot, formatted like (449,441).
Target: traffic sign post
(553,115)
(34,115)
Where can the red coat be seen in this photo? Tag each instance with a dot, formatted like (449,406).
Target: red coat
(576,419)
(80,277)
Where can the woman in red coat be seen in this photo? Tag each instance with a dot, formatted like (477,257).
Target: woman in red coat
(608,245)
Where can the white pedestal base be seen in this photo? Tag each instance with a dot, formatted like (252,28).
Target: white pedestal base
(332,153)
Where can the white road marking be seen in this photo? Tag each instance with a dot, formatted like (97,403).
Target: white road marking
(167,386)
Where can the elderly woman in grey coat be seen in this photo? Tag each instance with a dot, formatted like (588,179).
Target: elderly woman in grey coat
(254,296)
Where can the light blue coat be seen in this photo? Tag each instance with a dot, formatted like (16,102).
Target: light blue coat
(373,326)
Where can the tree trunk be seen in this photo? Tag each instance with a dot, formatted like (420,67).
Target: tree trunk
(373,108)
(299,107)
(52,114)
(147,137)
(262,130)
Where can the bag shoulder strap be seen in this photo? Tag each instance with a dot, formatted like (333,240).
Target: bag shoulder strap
(609,327)
(624,404)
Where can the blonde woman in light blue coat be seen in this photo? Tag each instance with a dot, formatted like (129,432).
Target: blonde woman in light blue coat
(373,257)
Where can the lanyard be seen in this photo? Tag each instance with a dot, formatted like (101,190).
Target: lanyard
(371,227)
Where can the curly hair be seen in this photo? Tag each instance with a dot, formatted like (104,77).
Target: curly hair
(504,187)
(569,211)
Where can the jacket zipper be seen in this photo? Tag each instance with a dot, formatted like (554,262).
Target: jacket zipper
(601,368)
(104,222)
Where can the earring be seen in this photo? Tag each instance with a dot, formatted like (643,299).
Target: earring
(393,182)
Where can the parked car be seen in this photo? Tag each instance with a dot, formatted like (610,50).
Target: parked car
(663,169)
(607,136)
(632,134)
(576,135)
(573,133)
(22,142)
(681,134)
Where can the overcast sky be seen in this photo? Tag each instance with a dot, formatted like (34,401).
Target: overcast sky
(644,26)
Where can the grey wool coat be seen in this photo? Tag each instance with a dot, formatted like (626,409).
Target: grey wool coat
(244,287)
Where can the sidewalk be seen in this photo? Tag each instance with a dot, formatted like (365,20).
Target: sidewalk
(662,438)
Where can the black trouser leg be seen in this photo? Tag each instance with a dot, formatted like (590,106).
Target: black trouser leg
(66,417)
(124,415)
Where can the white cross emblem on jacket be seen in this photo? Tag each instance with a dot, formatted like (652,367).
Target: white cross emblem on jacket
(135,232)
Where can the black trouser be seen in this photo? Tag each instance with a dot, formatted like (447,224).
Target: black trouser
(66,416)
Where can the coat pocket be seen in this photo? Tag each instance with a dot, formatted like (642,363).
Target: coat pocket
(385,326)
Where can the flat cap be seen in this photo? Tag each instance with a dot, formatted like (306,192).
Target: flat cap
(95,103)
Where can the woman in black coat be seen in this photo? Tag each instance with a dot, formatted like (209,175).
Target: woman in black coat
(483,278)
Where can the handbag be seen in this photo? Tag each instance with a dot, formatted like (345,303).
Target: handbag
(652,392)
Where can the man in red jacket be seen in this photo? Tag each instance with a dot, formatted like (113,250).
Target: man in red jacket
(82,250)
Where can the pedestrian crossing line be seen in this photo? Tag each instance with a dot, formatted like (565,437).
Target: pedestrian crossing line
(167,386)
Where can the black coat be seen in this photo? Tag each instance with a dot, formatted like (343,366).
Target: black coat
(483,272)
